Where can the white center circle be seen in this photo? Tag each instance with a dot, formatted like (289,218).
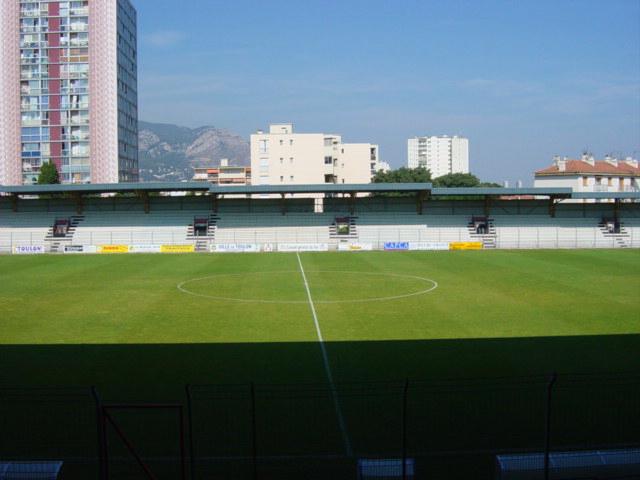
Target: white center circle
(429,285)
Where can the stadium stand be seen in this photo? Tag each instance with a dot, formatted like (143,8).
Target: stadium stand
(50,223)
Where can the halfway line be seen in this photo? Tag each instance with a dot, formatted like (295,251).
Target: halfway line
(327,368)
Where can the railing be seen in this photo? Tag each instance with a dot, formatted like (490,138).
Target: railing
(321,430)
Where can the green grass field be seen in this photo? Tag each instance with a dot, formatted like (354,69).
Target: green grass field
(122,324)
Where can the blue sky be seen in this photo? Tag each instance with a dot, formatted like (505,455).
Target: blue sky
(523,80)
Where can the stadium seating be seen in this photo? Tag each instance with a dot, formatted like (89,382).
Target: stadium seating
(116,221)
(24,229)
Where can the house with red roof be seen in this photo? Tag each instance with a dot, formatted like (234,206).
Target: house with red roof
(590,175)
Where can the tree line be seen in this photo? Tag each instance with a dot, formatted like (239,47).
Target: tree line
(423,175)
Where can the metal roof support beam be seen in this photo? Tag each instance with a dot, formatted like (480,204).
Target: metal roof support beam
(552,206)
(487,205)
(214,202)
(616,210)
(144,195)
(283,204)
(352,203)
(421,197)
(14,202)
(77,198)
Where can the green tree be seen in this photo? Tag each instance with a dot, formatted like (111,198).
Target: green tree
(403,175)
(48,174)
(451,180)
(467,180)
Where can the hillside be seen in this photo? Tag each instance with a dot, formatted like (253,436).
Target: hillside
(170,152)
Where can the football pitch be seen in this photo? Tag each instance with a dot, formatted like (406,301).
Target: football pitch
(140,327)
(233,318)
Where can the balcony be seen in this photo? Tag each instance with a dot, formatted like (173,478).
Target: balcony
(80,11)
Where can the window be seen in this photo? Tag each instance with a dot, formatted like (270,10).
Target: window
(329,178)
(328,142)
(281,160)
(610,181)
(281,142)
(290,159)
(263,146)
(290,142)
(585,181)
(281,178)
(264,162)
(328,160)
(291,178)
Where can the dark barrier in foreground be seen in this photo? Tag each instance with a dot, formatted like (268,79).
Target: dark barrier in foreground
(406,429)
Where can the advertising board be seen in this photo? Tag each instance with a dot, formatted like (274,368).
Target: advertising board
(177,248)
(396,245)
(465,246)
(150,248)
(113,249)
(28,249)
(428,246)
(80,249)
(303,247)
(355,247)
(235,248)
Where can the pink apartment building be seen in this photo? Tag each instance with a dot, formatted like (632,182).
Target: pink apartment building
(68,90)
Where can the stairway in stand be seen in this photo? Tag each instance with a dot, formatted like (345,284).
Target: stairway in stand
(621,238)
(488,239)
(353,228)
(56,242)
(202,242)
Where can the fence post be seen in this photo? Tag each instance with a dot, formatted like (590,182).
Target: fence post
(547,440)
(190,423)
(182,455)
(404,429)
(254,448)
(101,434)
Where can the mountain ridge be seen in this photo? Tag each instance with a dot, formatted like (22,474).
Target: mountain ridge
(170,152)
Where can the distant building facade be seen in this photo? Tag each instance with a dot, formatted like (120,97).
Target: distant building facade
(68,90)
(225,174)
(441,155)
(282,157)
(589,175)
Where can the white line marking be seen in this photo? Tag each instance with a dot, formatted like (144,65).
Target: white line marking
(327,368)
(182,286)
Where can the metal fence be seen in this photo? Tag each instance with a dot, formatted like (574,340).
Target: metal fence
(440,429)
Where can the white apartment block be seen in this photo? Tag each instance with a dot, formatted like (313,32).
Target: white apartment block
(590,175)
(282,157)
(440,155)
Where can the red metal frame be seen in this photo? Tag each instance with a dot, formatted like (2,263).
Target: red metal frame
(106,419)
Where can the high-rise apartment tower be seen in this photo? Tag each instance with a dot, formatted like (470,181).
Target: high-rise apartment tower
(441,155)
(68,90)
